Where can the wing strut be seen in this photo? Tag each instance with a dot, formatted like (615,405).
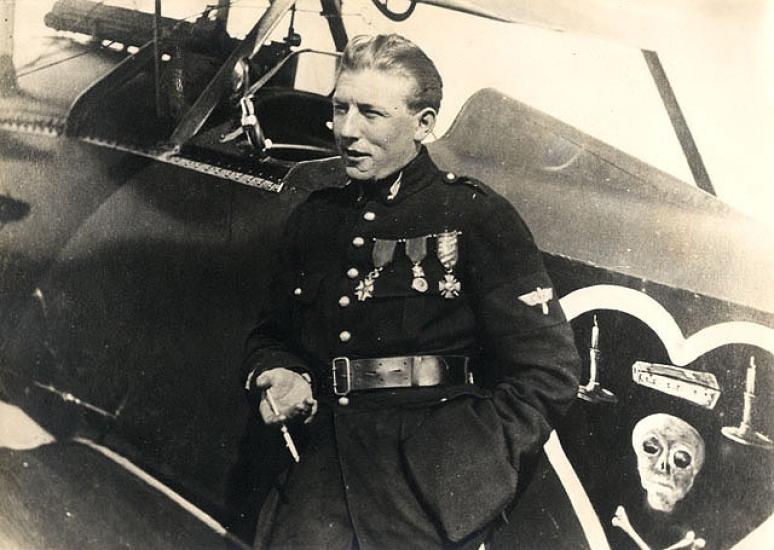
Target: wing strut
(692,155)
(196,116)
(157,58)
(222,11)
(331,10)
(7,70)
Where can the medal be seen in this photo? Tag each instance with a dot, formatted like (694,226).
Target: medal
(416,250)
(365,288)
(382,255)
(419,283)
(447,248)
(449,287)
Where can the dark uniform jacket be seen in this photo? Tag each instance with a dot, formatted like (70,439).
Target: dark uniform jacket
(494,303)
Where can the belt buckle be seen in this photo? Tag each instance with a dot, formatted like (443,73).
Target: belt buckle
(338,364)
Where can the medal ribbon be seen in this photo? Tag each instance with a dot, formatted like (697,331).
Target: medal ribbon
(416,250)
(382,254)
(447,250)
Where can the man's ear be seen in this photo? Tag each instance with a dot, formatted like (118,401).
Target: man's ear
(425,123)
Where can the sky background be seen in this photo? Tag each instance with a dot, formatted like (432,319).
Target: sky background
(718,55)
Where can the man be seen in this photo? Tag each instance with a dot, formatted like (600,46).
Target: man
(398,290)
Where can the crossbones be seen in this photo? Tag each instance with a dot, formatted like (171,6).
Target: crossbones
(621,520)
(689,541)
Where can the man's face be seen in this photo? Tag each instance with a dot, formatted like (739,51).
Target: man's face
(375,131)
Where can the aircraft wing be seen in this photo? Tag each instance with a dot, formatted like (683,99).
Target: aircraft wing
(625,215)
(649,25)
(77,494)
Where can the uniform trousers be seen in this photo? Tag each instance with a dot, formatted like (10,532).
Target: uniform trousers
(350,489)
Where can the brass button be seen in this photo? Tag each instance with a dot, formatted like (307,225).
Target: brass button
(369,216)
(344,401)
(357,242)
(345,336)
(344,301)
(298,291)
(352,272)
(450,176)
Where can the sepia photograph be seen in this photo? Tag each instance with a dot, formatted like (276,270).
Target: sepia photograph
(386,274)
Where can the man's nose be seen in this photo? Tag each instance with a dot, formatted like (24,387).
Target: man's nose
(346,125)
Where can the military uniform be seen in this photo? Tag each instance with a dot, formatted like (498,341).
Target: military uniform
(421,263)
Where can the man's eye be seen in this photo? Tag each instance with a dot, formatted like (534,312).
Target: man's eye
(340,109)
(370,113)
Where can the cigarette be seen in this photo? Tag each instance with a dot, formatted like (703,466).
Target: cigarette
(284,429)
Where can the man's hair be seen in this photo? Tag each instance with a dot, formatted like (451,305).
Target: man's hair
(392,52)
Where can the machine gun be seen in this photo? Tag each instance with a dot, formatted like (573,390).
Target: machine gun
(175,63)
(135,28)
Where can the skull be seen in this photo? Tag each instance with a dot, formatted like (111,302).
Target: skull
(670,454)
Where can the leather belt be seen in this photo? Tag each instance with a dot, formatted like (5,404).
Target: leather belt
(398,372)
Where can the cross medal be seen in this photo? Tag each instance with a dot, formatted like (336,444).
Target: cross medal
(382,255)
(447,251)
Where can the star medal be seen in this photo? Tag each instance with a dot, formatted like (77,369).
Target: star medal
(416,250)
(382,255)
(365,288)
(447,249)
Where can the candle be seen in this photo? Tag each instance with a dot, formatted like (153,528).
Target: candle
(749,386)
(595,334)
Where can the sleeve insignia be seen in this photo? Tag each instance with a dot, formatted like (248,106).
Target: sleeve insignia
(539,296)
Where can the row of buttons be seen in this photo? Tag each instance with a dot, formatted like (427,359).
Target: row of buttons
(345,336)
(352,273)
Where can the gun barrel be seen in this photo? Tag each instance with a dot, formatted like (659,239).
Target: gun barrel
(127,26)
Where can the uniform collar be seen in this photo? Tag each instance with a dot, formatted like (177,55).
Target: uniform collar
(406,181)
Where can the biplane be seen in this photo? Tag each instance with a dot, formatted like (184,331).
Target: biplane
(149,162)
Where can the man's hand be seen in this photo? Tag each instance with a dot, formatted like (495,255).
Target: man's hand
(292,395)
